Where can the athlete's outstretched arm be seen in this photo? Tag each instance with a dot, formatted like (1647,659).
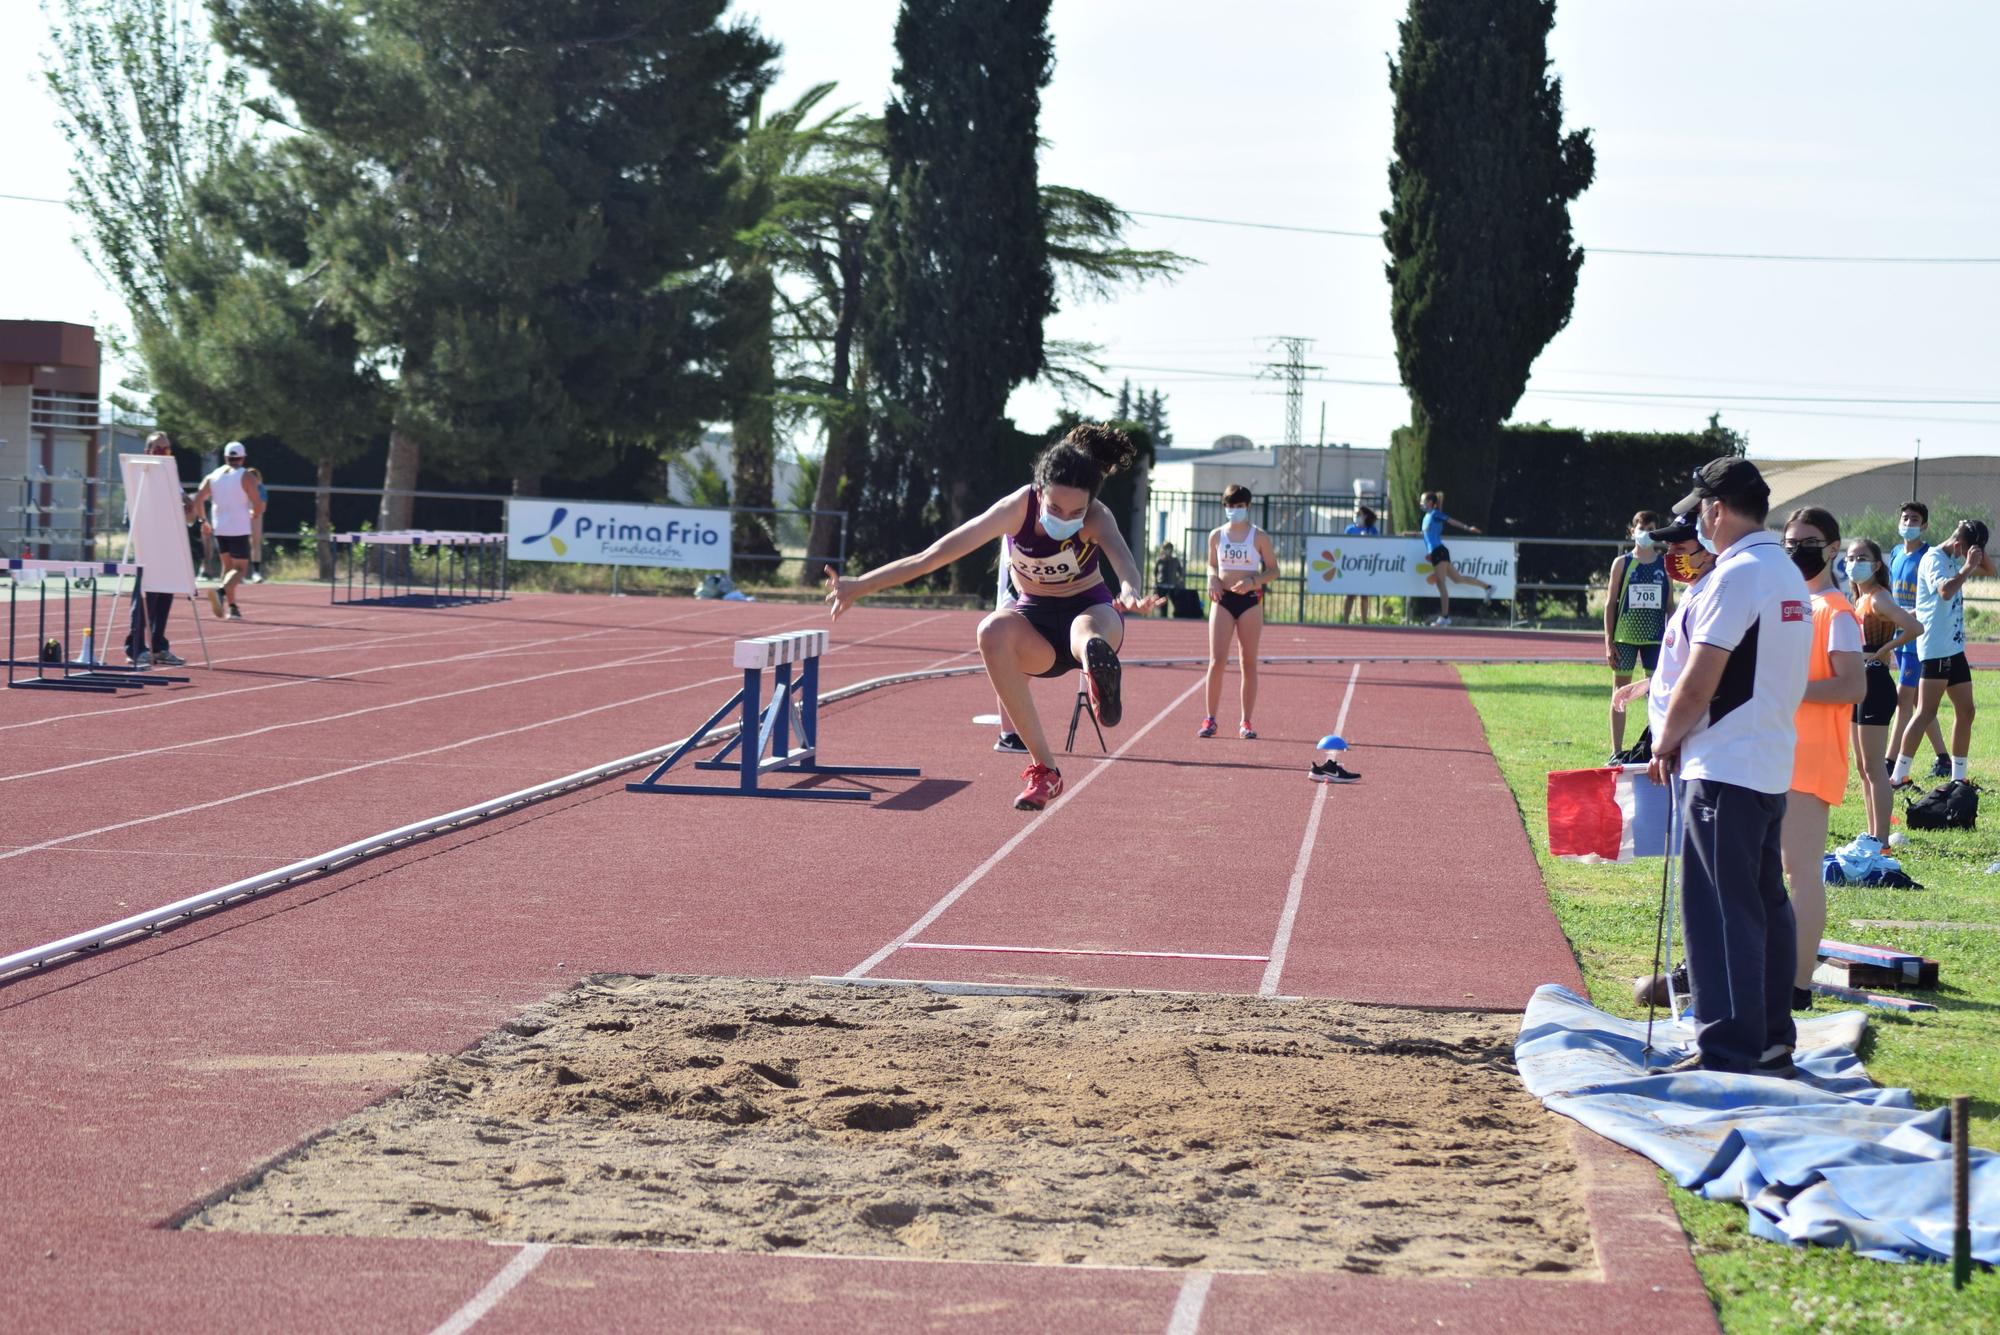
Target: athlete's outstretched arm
(1000,519)
(1103,526)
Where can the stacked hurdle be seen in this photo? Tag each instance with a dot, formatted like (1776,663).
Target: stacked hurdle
(763,743)
(465,568)
(87,678)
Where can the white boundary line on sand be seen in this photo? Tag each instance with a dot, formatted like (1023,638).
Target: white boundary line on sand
(978,873)
(517,1269)
(1281,943)
(1186,1318)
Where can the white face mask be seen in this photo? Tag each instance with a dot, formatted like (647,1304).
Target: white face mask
(1911,532)
(1236,514)
(1060,529)
(1642,539)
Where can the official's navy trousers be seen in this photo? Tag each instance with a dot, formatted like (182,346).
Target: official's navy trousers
(1741,950)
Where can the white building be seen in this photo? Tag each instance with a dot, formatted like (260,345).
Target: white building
(1180,496)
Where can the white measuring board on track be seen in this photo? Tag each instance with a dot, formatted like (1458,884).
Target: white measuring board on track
(770,650)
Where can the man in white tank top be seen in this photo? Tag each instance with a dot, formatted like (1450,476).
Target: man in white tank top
(234,504)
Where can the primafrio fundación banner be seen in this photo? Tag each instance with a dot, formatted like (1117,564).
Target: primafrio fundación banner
(601,533)
(1400,567)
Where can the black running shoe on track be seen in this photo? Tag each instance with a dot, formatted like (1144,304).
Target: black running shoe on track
(1010,741)
(1100,668)
(1331,772)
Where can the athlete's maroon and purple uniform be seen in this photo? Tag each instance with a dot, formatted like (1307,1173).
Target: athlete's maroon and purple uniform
(1033,555)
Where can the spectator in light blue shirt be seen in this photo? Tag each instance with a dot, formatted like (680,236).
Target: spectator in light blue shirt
(1904,559)
(1364,526)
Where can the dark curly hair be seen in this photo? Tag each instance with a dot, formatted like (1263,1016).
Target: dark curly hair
(1085,457)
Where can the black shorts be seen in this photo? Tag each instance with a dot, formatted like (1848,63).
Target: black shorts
(1053,617)
(236,545)
(1236,604)
(1439,555)
(1877,709)
(1953,671)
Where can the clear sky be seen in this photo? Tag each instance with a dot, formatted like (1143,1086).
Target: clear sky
(1785,128)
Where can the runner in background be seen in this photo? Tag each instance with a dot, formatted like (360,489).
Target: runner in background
(1059,537)
(1902,573)
(1241,561)
(1635,614)
(1835,683)
(1886,629)
(1364,526)
(233,508)
(1443,572)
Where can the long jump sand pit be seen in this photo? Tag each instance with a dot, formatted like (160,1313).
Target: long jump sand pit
(1226,1132)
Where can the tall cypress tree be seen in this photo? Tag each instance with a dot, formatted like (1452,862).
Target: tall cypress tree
(1482,269)
(960,258)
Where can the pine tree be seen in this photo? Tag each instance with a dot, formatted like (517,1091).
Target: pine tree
(961,256)
(1482,271)
(1123,412)
(1156,419)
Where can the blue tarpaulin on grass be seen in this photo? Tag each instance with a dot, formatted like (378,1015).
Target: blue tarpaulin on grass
(1827,1157)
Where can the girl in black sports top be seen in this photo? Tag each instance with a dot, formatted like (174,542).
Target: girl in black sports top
(1241,561)
(1057,536)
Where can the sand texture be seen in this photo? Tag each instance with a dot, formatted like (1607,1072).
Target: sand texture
(1110,1129)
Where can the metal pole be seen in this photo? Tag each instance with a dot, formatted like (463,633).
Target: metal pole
(1961,1192)
(1916,468)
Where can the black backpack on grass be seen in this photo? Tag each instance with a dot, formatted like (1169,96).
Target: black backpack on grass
(1949,806)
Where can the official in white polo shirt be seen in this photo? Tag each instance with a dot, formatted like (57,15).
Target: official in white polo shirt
(1728,730)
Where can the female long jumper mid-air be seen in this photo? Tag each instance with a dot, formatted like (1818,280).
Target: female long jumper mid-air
(1057,536)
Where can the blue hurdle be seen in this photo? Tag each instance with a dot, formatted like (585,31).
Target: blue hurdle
(763,742)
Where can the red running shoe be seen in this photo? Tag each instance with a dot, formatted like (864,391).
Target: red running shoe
(1044,787)
(1100,671)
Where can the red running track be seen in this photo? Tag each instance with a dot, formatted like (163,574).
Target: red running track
(135,1083)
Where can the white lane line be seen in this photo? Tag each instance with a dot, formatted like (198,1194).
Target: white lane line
(1281,943)
(200,697)
(356,769)
(498,1287)
(1186,1319)
(1063,950)
(648,658)
(978,873)
(417,755)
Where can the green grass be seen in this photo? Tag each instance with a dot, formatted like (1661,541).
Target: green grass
(1539,719)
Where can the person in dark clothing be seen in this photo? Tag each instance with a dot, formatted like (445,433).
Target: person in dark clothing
(146,642)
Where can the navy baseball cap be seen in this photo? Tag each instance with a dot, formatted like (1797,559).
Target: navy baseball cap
(1725,477)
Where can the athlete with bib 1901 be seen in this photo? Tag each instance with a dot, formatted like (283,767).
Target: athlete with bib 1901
(1241,561)
(1056,537)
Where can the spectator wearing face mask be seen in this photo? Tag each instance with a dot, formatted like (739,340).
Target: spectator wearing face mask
(1941,649)
(1904,559)
(1835,683)
(1885,629)
(1635,613)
